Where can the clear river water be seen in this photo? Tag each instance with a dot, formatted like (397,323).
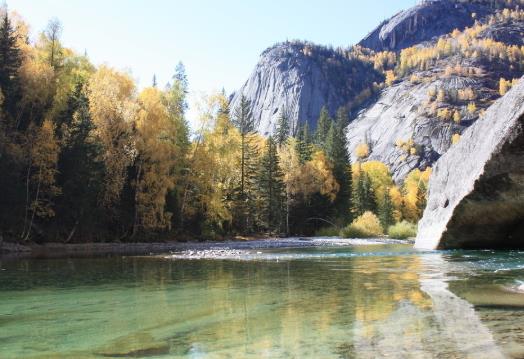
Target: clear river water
(328,301)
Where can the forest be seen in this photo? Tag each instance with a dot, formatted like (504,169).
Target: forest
(87,155)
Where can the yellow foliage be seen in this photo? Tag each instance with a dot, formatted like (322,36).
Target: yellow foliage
(362,151)
(156,154)
(314,176)
(456,117)
(467,94)
(455,138)
(441,97)
(44,150)
(379,175)
(414,189)
(472,108)
(113,109)
(444,114)
(367,225)
(390,77)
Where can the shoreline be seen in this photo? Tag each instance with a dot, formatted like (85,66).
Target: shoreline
(63,250)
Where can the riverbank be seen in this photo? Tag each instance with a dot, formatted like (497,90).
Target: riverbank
(56,250)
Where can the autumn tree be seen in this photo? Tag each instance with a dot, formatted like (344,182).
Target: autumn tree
(41,175)
(156,154)
(113,109)
(52,45)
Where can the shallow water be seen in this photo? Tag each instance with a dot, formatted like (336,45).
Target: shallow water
(364,301)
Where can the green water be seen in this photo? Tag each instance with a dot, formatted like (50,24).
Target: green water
(363,302)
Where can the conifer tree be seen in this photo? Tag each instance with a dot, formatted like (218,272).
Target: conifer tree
(10,62)
(363,196)
(282,128)
(79,167)
(323,126)
(336,150)
(271,187)
(304,144)
(386,211)
(244,122)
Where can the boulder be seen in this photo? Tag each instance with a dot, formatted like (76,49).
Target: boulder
(476,192)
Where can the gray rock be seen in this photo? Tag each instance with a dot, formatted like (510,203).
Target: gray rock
(400,114)
(300,78)
(476,192)
(424,22)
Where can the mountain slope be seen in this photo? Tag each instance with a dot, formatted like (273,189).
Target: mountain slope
(424,22)
(433,91)
(412,123)
(298,79)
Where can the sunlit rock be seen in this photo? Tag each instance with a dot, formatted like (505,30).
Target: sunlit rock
(476,193)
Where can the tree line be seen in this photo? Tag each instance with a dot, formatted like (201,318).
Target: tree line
(86,156)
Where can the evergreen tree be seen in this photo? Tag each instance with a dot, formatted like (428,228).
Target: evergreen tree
(386,211)
(79,169)
(10,62)
(243,120)
(303,145)
(336,150)
(282,129)
(154,83)
(272,189)
(323,125)
(363,196)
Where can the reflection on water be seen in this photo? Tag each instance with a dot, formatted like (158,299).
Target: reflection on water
(361,302)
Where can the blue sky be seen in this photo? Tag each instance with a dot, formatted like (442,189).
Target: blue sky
(218,41)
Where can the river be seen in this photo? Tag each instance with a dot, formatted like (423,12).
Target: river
(332,300)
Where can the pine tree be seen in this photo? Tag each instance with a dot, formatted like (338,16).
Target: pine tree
(154,83)
(336,150)
(363,196)
(272,189)
(282,128)
(304,144)
(386,211)
(79,167)
(10,62)
(243,120)
(323,126)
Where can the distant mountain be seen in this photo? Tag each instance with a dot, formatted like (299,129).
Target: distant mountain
(424,22)
(299,78)
(448,60)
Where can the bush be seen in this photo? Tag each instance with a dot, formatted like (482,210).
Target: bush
(365,226)
(327,232)
(403,230)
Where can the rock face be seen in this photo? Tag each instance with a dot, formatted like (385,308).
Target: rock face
(399,116)
(299,79)
(424,22)
(476,192)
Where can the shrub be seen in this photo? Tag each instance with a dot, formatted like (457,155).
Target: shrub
(327,232)
(365,226)
(403,230)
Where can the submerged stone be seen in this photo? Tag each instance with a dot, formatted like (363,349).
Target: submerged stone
(476,193)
